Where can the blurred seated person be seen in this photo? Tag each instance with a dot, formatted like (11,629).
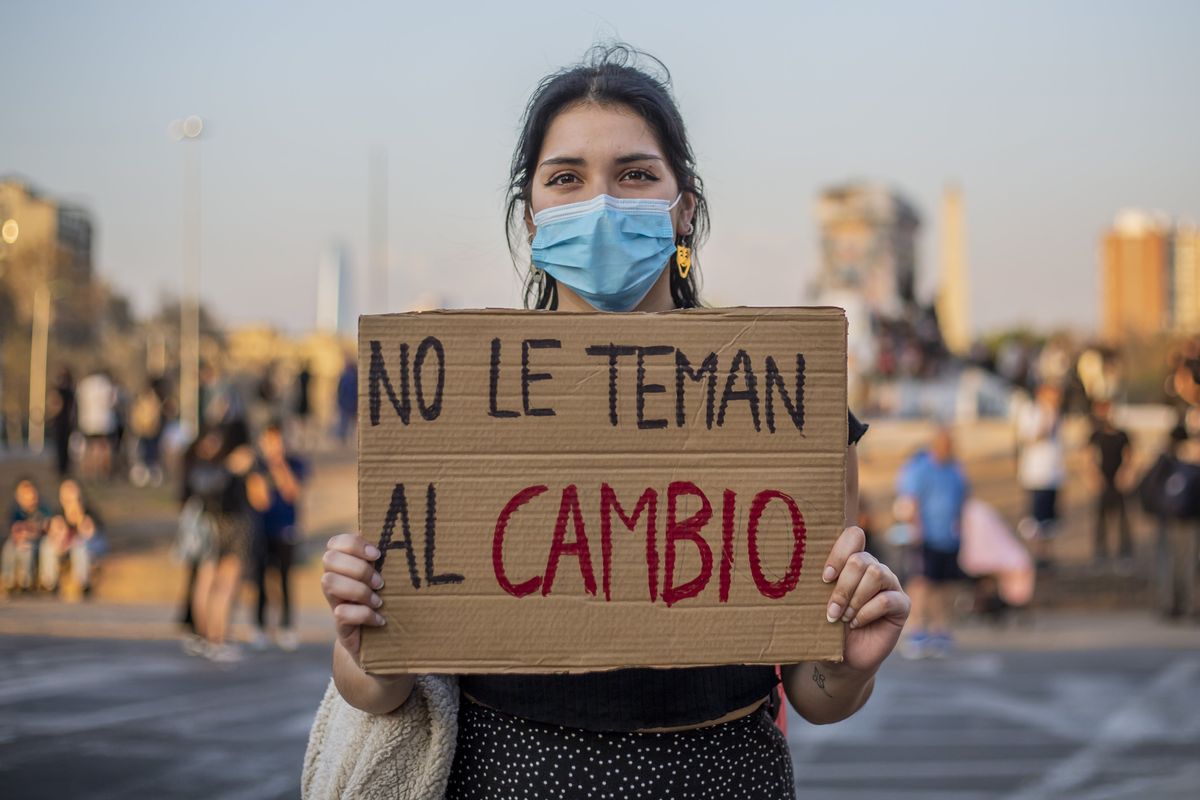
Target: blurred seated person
(1178,549)
(26,525)
(75,536)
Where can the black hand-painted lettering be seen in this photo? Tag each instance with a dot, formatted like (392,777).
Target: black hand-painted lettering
(741,365)
(398,507)
(775,379)
(528,377)
(644,388)
(431,578)
(683,368)
(378,376)
(494,383)
(613,351)
(430,411)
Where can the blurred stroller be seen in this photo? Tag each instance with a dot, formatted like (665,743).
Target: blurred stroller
(998,562)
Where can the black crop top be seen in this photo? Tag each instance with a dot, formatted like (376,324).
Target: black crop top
(630,699)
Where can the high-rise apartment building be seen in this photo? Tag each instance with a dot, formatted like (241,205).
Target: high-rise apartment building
(1186,280)
(1136,276)
(1150,277)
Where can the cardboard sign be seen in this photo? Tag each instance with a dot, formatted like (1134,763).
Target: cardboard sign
(585,491)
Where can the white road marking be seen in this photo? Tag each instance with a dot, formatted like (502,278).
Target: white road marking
(1125,726)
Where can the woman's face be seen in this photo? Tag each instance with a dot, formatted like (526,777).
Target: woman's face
(591,150)
(209,446)
(68,493)
(27,495)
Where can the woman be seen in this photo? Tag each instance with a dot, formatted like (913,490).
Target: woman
(604,141)
(218,473)
(146,421)
(62,419)
(1041,467)
(27,522)
(282,475)
(75,533)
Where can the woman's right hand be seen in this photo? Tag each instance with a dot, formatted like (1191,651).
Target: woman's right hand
(350,583)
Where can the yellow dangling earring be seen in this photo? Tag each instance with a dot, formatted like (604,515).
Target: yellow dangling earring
(683,258)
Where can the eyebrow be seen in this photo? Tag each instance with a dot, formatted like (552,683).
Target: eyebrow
(638,157)
(577,161)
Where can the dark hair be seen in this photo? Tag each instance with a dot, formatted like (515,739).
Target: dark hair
(234,434)
(608,75)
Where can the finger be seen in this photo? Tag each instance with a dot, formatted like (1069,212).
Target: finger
(847,583)
(893,604)
(339,588)
(355,614)
(352,567)
(877,578)
(353,544)
(851,540)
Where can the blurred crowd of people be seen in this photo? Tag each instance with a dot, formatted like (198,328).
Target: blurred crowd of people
(241,483)
(240,490)
(103,430)
(940,536)
(239,520)
(47,550)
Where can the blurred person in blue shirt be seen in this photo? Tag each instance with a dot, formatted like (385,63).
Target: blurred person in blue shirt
(279,476)
(347,400)
(938,490)
(903,537)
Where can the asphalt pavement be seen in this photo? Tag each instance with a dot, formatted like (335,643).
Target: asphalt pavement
(115,718)
(1018,725)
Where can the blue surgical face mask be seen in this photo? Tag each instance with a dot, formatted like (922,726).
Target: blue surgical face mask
(608,250)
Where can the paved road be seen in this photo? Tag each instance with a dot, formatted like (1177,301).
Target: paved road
(1017,725)
(101,719)
(85,718)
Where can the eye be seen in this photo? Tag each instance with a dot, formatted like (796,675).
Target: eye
(562,179)
(639,175)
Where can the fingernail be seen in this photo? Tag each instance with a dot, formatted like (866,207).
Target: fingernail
(854,623)
(829,574)
(379,620)
(372,551)
(834,612)
(376,581)
(376,600)
(849,615)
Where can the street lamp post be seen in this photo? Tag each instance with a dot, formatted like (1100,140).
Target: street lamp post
(10,231)
(39,351)
(188,131)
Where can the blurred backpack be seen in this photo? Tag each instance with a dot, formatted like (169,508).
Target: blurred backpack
(1171,488)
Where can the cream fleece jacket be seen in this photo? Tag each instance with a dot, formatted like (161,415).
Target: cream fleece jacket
(405,755)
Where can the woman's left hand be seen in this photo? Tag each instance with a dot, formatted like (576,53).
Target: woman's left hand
(867,595)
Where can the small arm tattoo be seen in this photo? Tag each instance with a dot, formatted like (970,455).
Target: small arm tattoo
(819,679)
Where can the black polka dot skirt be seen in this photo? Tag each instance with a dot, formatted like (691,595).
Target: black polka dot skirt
(502,757)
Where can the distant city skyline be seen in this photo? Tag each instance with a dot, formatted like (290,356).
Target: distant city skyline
(1050,117)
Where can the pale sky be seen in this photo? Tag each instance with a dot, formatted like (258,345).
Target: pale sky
(1052,116)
